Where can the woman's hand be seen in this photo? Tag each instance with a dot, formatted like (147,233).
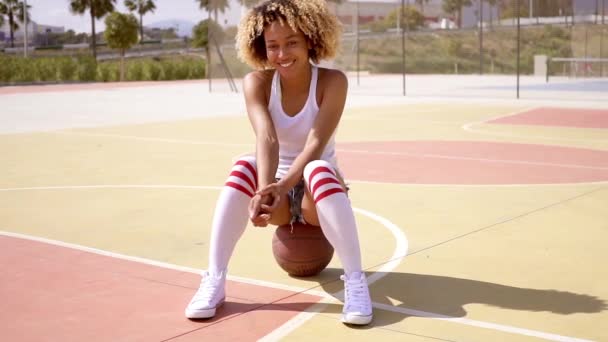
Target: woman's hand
(257,214)
(275,191)
(264,203)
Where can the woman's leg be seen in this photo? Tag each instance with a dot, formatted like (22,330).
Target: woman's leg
(336,217)
(231,213)
(229,223)
(331,206)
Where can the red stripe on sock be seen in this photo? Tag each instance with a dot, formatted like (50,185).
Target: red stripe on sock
(243,176)
(317,171)
(240,188)
(323,182)
(328,193)
(251,169)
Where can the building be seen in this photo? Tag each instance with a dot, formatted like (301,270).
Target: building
(33,30)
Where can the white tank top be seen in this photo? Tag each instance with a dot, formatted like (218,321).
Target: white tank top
(292,131)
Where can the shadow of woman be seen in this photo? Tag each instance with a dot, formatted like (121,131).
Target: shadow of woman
(448,296)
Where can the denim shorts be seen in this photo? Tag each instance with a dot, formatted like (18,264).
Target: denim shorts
(296,195)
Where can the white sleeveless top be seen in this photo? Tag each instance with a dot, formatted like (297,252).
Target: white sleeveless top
(292,131)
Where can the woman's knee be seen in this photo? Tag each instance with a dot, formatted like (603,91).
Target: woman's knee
(315,167)
(322,180)
(243,175)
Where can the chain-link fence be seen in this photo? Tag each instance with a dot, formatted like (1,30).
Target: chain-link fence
(464,47)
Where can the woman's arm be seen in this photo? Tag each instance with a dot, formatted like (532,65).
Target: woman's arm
(267,144)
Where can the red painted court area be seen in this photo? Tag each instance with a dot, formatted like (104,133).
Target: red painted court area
(63,294)
(471,162)
(565,117)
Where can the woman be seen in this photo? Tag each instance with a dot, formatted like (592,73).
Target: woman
(294,108)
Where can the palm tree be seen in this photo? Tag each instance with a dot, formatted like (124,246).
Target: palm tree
(97,10)
(251,3)
(142,7)
(214,6)
(248,3)
(2,11)
(13,9)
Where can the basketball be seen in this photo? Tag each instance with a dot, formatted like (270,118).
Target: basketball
(302,251)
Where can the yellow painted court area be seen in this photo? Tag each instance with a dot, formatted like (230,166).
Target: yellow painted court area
(485,262)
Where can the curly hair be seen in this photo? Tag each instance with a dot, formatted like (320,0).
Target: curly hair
(320,27)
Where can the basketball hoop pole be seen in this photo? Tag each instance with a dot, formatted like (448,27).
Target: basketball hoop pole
(518,33)
(25,28)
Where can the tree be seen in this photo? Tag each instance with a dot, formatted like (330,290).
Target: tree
(142,7)
(121,34)
(97,10)
(509,10)
(251,3)
(13,9)
(248,3)
(200,38)
(214,6)
(454,7)
(412,17)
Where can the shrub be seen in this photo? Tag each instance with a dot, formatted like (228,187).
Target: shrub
(67,68)
(87,68)
(182,69)
(154,70)
(135,71)
(108,72)
(168,70)
(45,69)
(198,69)
(6,67)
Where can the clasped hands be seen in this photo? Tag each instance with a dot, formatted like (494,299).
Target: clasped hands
(264,203)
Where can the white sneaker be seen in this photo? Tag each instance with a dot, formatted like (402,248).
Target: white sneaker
(210,295)
(357,303)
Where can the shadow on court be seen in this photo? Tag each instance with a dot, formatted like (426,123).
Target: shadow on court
(448,296)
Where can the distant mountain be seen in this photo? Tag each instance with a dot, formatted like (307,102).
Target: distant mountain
(183,27)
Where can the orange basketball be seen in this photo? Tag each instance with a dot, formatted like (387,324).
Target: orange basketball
(302,251)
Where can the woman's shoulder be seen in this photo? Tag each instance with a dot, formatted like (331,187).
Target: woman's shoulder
(258,80)
(330,78)
(259,77)
(331,73)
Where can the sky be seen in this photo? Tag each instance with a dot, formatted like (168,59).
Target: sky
(57,13)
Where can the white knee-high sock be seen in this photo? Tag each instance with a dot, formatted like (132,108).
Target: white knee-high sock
(231,214)
(335,213)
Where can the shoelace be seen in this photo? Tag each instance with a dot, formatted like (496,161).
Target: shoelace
(355,293)
(208,288)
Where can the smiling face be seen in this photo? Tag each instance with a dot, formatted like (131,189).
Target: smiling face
(286,49)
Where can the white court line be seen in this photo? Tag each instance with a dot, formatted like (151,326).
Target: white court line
(112,186)
(318,307)
(422,155)
(399,253)
(413,121)
(469,128)
(327,298)
(133,137)
(445,185)
(485,160)
(401,241)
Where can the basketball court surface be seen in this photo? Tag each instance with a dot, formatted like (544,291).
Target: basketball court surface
(480,218)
